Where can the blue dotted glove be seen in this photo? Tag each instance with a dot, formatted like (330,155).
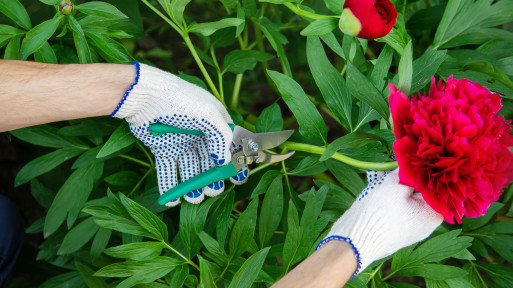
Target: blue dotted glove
(159,96)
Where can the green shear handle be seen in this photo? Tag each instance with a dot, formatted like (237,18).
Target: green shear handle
(199,181)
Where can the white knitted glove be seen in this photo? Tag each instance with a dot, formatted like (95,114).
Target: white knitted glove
(386,217)
(159,96)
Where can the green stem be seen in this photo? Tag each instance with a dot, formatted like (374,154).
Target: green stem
(189,44)
(340,157)
(260,43)
(374,273)
(298,11)
(189,261)
(224,271)
(261,167)
(135,160)
(176,27)
(146,153)
(139,183)
(236,90)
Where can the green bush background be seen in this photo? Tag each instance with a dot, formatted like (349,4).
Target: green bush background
(276,65)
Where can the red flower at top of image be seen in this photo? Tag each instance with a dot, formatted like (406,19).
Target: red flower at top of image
(376,17)
(453,147)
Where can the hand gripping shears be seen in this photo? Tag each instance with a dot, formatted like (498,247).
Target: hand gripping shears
(253,146)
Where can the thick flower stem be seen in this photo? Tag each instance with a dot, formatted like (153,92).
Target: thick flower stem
(340,157)
(303,13)
(196,57)
(236,90)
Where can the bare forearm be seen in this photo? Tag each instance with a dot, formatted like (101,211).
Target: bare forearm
(36,93)
(329,267)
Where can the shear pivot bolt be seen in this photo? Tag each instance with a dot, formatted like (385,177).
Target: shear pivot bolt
(253,146)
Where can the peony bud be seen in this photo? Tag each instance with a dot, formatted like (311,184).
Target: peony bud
(66,7)
(367,19)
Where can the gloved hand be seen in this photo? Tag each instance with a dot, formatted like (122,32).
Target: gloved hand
(386,217)
(159,96)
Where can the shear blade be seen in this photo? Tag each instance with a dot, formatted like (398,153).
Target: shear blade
(270,140)
(273,158)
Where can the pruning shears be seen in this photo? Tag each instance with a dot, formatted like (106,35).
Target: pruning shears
(253,146)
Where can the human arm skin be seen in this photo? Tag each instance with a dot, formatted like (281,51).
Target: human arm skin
(329,267)
(35,93)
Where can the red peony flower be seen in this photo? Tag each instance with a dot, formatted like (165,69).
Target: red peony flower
(452,147)
(368,19)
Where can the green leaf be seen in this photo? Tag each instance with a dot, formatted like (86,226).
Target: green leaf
(425,67)
(229,3)
(433,271)
(140,272)
(192,221)
(121,138)
(145,218)
(310,165)
(248,272)
(406,69)
(45,54)
(78,236)
(38,36)
(12,51)
(501,275)
(193,79)
(336,6)
(301,235)
(71,197)
(206,279)
(277,40)
(238,61)
(441,247)
(208,28)
(474,223)
(213,248)
(223,217)
(123,178)
(65,280)
(109,49)
(330,82)
(179,276)
(43,164)
(465,17)
(352,140)
(100,9)
(47,136)
(270,119)
(363,89)
(100,242)
(243,230)
(84,52)
(176,10)
(320,26)
(51,2)
(311,124)
(120,224)
(136,251)
(16,12)
(9,30)
(346,176)
(87,276)
(271,211)
(264,182)
(379,72)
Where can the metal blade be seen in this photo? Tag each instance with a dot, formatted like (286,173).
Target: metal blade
(273,158)
(270,140)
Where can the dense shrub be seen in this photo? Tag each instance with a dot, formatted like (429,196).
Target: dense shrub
(276,65)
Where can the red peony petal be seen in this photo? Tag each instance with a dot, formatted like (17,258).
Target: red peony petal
(452,147)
